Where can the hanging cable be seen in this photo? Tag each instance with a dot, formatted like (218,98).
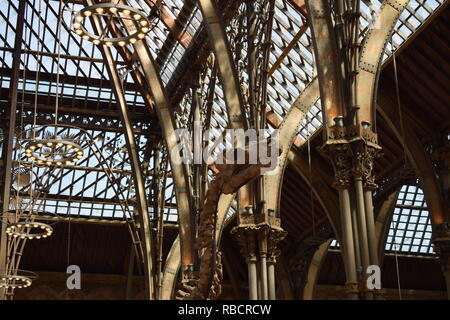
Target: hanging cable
(24,78)
(397,92)
(310,175)
(69,233)
(58,67)
(38,67)
(398,272)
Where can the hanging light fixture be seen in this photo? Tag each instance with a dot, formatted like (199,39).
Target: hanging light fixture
(53,148)
(23,230)
(142,23)
(21,224)
(54,151)
(20,279)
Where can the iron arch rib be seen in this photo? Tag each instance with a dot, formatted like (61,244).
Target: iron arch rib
(186,219)
(327,60)
(228,74)
(286,135)
(371,56)
(134,159)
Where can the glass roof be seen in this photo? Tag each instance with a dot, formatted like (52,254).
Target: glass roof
(410,228)
(84,83)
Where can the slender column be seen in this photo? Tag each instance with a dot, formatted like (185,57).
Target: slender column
(362,228)
(9,137)
(274,237)
(355,234)
(246,238)
(259,284)
(258,236)
(271,278)
(347,238)
(144,219)
(252,278)
(373,247)
(263,270)
(262,241)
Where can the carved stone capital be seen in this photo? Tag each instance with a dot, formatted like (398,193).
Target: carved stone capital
(274,238)
(340,156)
(352,151)
(363,163)
(259,240)
(246,237)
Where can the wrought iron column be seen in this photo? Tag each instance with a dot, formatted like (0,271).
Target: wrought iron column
(273,239)
(262,245)
(9,136)
(252,232)
(373,243)
(362,228)
(348,244)
(246,238)
(146,228)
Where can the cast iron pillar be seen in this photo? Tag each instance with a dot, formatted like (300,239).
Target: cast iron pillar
(258,236)
(352,150)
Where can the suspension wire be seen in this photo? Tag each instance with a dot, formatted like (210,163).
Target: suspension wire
(69,227)
(397,92)
(38,71)
(13,267)
(311,196)
(398,272)
(24,77)
(38,66)
(58,67)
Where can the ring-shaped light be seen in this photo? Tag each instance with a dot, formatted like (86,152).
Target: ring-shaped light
(22,230)
(142,23)
(66,152)
(17,281)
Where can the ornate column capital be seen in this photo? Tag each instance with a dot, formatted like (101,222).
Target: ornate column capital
(274,238)
(246,237)
(363,163)
(352,151)
(256,234)
(340,156)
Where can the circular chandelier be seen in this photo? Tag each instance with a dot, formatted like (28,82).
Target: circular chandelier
(17,281)
(23,230)
(54,151)
(142,24)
